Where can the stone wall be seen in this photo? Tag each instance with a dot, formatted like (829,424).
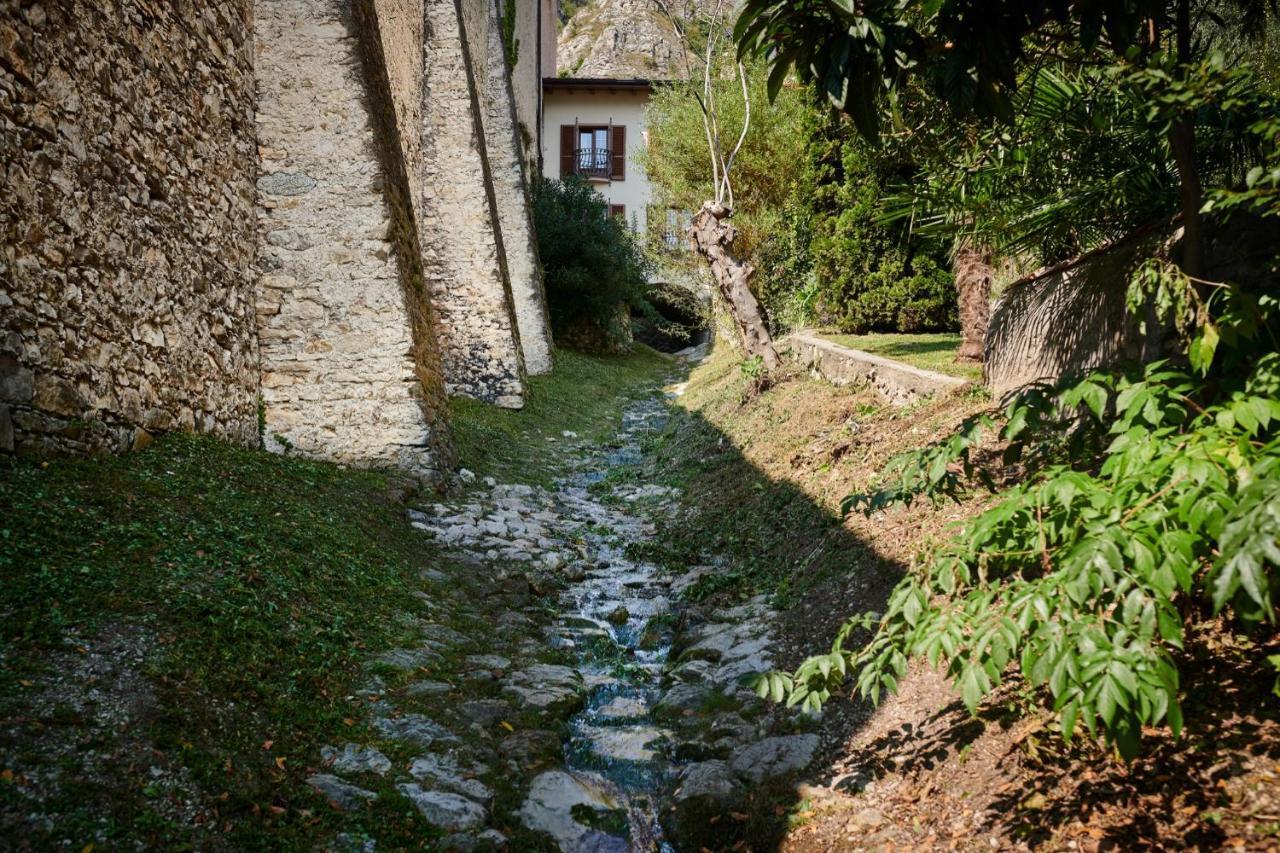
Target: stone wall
(464,261)
(126,299)
(350,368)
(899,383)
(510,189)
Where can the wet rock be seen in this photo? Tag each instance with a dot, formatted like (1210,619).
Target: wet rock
(774,758)
(681,700)
(414,728)
(623,708)
(619,616)
(443,809)
(561,804)
(340,794)
(636,743)
(356,759)
(547,687)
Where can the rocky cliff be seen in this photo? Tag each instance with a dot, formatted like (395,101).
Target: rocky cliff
(621,38)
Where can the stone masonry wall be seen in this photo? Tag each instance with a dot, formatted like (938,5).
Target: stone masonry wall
(510,190)
(126,299)
(348,373)
(463,258)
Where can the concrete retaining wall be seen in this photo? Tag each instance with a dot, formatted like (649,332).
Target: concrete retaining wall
(899,383)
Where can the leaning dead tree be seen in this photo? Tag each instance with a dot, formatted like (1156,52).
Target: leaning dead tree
(712,234)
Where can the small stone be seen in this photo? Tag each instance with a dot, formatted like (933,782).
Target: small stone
(340,794)
(445,810)
(444,773)
(428,688)
(489,663)
(414,728)
(286,183)
(486,712)
(869,818)
(356,759)
(467,476)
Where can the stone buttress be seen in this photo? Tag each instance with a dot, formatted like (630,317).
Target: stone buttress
(350,371)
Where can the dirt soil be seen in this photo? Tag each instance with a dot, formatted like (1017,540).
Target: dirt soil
(919,772)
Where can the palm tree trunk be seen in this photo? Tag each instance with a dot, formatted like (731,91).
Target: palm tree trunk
(974,274)
(713,237)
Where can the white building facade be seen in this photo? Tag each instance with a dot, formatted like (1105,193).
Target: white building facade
(595,128)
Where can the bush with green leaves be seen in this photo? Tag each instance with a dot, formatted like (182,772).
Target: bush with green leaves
(1152,498)
(594,266)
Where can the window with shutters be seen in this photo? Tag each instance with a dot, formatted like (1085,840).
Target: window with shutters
(618,211)
(593,151)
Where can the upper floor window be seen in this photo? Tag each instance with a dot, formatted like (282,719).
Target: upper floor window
(596,152)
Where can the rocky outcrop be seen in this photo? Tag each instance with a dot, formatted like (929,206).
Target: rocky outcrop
(619,38)
(126,300)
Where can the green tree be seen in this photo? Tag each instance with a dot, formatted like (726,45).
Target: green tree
(971,53)
(595,267)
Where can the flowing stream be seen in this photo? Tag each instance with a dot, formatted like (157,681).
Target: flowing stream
(616,622)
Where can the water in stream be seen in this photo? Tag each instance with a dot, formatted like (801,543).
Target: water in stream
(615,767)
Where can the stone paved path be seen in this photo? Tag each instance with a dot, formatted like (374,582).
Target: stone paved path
(561,688)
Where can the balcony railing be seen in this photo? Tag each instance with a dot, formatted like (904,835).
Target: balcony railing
(593,162)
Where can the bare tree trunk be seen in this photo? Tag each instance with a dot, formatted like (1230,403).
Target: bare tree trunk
(973,291)
(712,235)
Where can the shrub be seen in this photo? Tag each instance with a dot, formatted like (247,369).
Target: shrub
(870,276)
(594,266)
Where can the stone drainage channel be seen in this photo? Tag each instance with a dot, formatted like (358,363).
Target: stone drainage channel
(651,742)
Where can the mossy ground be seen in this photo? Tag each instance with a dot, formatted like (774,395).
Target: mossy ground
(257,587)
(583,395)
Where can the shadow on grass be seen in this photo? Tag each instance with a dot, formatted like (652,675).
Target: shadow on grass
(763,535)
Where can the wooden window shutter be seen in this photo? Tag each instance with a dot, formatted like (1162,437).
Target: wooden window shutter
(618,148)
(568,139)
(619,211)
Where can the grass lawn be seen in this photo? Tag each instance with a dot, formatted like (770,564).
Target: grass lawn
(584,395)
(929,351)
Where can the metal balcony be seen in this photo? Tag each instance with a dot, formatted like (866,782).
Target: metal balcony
(593,163)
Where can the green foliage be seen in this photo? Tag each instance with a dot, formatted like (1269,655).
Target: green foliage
(1147,496)
(581,395)
(870,276)
(594,265)
(509,40)
(265,582)
(806,196)
(966,52)
(765,177)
